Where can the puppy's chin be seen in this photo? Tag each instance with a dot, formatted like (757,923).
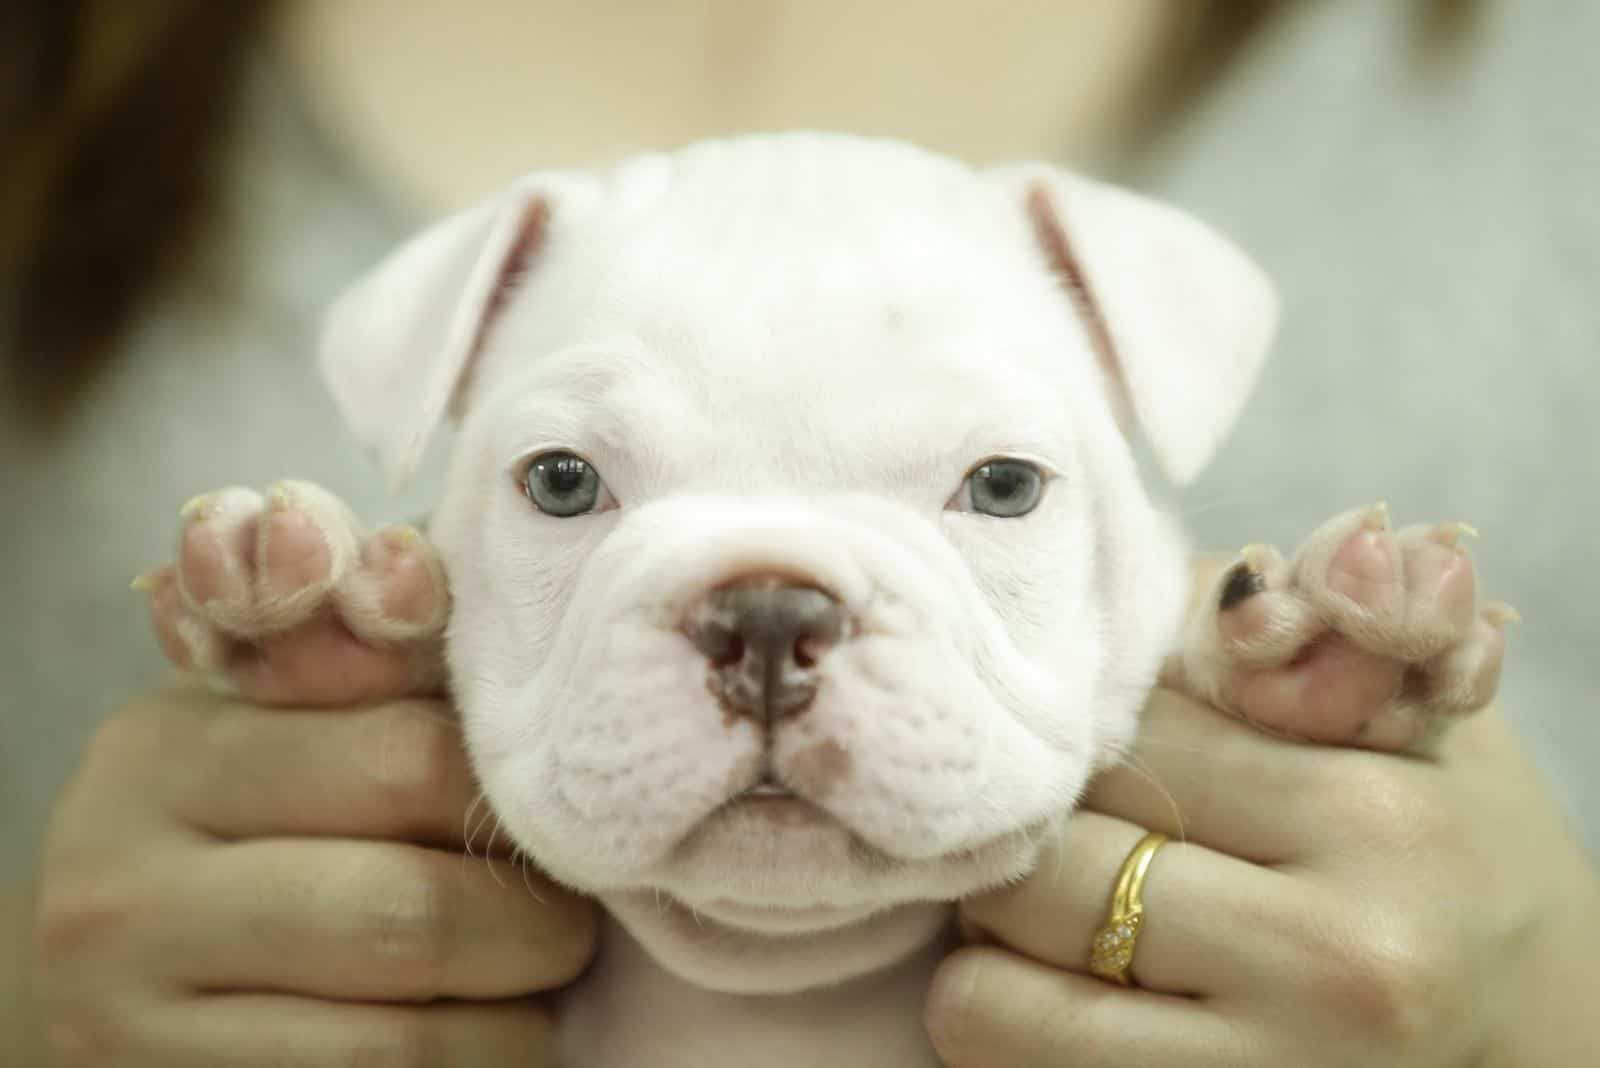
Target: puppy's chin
(824,946)
(774,896)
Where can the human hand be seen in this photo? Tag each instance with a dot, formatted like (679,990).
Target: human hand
(1315,907)
(226,884)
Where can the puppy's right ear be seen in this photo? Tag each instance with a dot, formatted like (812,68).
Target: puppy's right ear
(397,346)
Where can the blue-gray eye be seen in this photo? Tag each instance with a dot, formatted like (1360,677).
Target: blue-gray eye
(1003,488)
(562,484)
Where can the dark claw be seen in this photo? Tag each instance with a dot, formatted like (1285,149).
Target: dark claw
(1242,583)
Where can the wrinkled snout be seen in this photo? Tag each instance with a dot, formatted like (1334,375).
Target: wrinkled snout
(763,637)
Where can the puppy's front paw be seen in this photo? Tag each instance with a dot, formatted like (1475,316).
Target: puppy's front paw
(1368,637)
(288,597)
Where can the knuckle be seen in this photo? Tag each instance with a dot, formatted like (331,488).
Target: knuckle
(119,737)
(144,734)
(950,1014)
(417,757)
(1381,801)
(1395,983)
(562,941)
(411,925)
(70,919)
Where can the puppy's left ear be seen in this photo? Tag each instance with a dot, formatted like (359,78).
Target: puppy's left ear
(1179,317)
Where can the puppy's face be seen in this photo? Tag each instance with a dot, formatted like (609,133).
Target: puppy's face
(801,574)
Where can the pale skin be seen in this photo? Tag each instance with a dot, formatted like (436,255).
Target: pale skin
(1329,907)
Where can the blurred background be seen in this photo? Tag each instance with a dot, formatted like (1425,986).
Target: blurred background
(184,185)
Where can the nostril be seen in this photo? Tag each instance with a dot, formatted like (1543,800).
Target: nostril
(808,649)
(730,653)
(721,645)
(763,638)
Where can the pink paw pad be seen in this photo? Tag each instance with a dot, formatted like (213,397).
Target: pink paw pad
(1367,637)
(286,596)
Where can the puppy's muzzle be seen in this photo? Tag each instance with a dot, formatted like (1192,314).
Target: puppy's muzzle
(764,636)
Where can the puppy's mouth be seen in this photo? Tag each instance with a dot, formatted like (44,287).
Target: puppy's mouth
(765,789)
(768,803)
(768,786)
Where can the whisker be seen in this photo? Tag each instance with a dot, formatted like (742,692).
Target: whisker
(488,849)
(466,821)
(524,862)
(1225,501)
(488,814)
(1146,772)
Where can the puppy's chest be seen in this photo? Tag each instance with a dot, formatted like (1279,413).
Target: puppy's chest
(627,1012)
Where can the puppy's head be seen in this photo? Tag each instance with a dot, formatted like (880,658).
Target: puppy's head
(801,572)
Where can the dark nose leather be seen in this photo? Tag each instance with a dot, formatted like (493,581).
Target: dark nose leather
(763,636)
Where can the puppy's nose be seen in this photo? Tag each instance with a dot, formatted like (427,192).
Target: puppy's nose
(764,635)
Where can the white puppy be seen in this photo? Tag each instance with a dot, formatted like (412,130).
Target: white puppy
(801,572)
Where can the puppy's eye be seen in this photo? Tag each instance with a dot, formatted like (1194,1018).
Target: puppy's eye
(1002,488)
(562,484)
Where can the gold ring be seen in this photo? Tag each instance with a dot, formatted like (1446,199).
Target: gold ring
(1112,954)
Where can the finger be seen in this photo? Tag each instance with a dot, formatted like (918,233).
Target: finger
(1200,776)
(1211,922)
(991,1009)
(393,771)
(269,1030)
(371,921)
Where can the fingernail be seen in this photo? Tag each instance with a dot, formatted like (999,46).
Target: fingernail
(1243,583)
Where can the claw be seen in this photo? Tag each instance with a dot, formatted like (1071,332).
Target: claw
(279,499)
(402,538)
(1256,555)
(1448,534)
(1243,583)
(146,581)
(1377,517)
(1499,614)
(199,508)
